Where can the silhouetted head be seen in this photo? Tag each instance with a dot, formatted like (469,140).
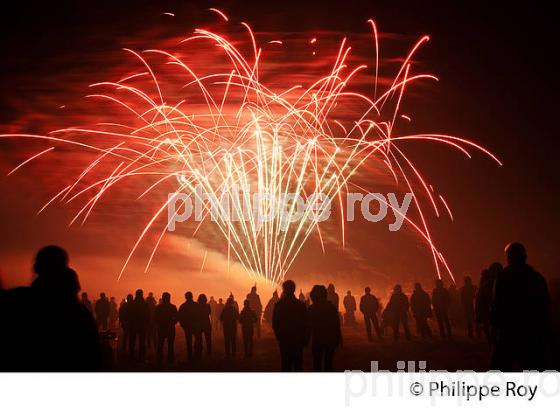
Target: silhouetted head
(151,294)
(439,283)
(418,287)
(494,269)
(367,290)
(188,296)
(50,259)
(165,297)
(516,253)
(468,281)
(397,289)
(202,299)
(330,288)
(220,300)
(349,293)
(129,298)
(246,304)
(254,289)
(102,295)
(318,294)
(212,299)
(112,299)
(289,287)
(229,301)
(139,294)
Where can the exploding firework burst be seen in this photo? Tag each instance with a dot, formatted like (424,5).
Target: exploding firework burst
(232,128)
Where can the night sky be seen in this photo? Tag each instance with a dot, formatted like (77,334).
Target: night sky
(496,66)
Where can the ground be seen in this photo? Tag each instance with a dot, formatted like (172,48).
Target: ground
(459,353)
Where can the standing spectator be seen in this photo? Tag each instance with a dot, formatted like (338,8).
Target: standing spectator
(139,315)
(269,309)
(166,318)
(124,319)
(332,296)
(441,302)
(102,311)
(521,315)
(289,321)
(151,332)
(324,329)
(45,328)
(213,307)
(204,326)
(369,306)
(349,303)
(229,318)
(484,300)
(248,319)
(187,316)
(397,312)
(468,293)
(455,308)
(113,314)
(86,302)
(421,310)
(302,297)
(219,309)
(256,306)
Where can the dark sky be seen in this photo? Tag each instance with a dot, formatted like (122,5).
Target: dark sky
(497,66)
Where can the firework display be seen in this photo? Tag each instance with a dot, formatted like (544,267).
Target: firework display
(231,128)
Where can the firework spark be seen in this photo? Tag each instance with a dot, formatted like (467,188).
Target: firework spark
(231,128)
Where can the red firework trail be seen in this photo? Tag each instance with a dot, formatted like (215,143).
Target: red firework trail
(233,128)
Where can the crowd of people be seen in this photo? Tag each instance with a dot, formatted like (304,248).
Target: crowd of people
(51,328)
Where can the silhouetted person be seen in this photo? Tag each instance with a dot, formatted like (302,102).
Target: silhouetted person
(113,314)
(219,308)
(213,316)
(397,312)
(229,318)
(301,297)
(349,303)
(248,319)
(234,302)
(256,306)
(86,302)
(166,318)
(421,308)
(188,313)
(485,298)
(102,311)
(204,326)
(369,306)
(520,315)
(289,322)
(468,293)
(151,331)
(455,308)
(332,297)
(44,326)
(269,309)
(124,319)
(324,329)
(139,316)
(441,302)
(385,319)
